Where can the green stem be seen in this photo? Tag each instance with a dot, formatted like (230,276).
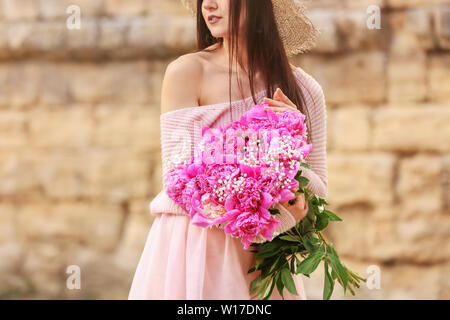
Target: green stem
(355,274)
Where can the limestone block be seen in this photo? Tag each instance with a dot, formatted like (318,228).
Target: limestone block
(7,223)
(13,129)
(349,128)
(115,82)
(112,33)
(356,77)
(411,31)
(402,4)
(419,185)
(41,37)
(346,4)
(410,239)
(64,128)
(15,92)
(135,235)
(155,7)
(20,9)
(439,81)
(158,35)
(18,173)
(111,175)
(3,40)
(53,84)
(412,129)
(445,178)
(124,7)
(442,26)
(360,178)
(411,282)
(115,175)
(53,9)
(83,39)
(354,33)
(324,20)
(132,126)
(407,78)
(97,225)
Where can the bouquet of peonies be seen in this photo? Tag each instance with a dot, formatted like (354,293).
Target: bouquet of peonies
(236,177)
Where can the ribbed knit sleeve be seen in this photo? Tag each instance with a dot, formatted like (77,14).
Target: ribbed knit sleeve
(317,158)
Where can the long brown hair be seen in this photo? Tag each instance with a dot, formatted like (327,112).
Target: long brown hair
(264,49)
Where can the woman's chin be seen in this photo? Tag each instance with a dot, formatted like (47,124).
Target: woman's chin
(217,34)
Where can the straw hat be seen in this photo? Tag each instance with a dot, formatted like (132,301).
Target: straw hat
(296,30)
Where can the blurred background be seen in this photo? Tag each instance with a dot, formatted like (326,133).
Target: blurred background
(80,148)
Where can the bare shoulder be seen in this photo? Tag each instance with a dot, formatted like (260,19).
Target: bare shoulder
(180,86)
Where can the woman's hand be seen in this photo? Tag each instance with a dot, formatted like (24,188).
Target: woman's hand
(280,102)
(300,208)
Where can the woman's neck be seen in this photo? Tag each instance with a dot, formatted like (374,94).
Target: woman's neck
(240,63)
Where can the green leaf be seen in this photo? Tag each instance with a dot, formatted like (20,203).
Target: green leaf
(310,264)
(275,264)
(269,292)
(255,284)
(308,245)
(280,285)
(272,286)
(329,283)
(292,265)
(288,281)
(315,200)
(310,242)
(331,215)
(304,164)
(322,221)
(306,225)
(302,181)
(288,238)
(270,249)
(298,175)
(337,266)
(333,274)
(274,211)
(258,262)
(311,215)
(263,286)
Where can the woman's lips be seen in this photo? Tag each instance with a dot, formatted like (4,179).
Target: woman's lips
(214,19)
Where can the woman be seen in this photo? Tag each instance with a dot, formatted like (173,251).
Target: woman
(251,40)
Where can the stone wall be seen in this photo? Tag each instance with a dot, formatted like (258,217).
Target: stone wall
(79,140)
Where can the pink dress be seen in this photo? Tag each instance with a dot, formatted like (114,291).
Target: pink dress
(181,261)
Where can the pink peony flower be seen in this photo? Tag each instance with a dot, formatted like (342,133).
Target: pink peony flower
(233,182)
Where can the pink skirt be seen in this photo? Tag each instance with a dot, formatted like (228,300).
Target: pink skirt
(181,261)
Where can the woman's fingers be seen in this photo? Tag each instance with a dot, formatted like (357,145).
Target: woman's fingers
(298,210)
(279,106)
(275,103)
(279,95)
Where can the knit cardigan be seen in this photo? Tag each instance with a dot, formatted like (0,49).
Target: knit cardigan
(181,130)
